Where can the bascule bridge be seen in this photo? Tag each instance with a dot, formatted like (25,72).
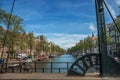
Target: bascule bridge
(107,65)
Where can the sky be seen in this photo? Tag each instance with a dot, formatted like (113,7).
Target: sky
(64,22)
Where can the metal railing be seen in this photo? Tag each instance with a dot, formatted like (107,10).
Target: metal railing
(38,67)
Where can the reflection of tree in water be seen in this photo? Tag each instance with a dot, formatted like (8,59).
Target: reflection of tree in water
(58,62)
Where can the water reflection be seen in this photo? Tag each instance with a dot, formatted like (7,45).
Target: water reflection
(57,67)
(62,58)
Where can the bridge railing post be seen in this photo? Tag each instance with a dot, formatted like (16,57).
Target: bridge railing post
(35,66)
(67,66)
(51,66)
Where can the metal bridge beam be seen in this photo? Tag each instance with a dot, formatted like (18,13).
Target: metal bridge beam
(108,66)
(101,35)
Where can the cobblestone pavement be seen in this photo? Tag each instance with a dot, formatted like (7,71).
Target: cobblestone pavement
(51,76)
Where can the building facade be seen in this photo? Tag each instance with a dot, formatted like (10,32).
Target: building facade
(114,47)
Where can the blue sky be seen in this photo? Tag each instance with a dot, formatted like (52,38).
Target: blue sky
(63,22)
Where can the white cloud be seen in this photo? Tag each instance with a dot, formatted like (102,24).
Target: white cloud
(64,40)
(111,10)
(71,5)
(92,27)
(117,1)
(28,14)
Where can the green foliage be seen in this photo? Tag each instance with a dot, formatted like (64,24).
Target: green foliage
(16,36)
(31,41)
(1,34)
(14,27)
(118,21)
(83,45)
(108,38)
(44,46)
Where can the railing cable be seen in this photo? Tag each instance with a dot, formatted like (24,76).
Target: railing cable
(111,16)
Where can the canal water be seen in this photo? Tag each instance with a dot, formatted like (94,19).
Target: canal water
(62,58)
(56,64)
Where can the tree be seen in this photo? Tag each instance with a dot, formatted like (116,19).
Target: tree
(22,42)
(14,30)
(118,21)
(2,12)
(31,41)
(83,45)
(2,32)
(86,45)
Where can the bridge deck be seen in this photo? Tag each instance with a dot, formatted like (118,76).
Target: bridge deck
(53,76)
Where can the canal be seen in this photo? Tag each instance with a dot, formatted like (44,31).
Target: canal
(56,64)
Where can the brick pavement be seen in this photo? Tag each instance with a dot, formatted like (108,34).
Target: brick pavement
(51,76)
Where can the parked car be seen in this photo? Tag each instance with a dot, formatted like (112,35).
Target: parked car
(83,53)
(1,61)
(27,59)
(21,55)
